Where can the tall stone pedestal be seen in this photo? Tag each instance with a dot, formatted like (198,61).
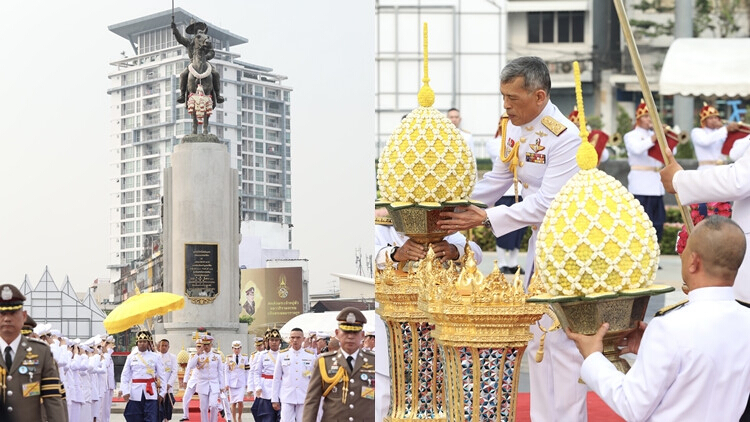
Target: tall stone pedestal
(201,245)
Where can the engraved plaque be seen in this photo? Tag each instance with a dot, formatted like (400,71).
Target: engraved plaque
(201,272)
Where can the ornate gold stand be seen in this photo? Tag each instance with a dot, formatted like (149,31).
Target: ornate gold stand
(415,368)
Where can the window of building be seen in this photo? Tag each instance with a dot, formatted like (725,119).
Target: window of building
(258,135)
(259,119)
(259,175)
(555,27)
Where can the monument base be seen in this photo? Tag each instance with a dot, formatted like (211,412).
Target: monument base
(200,137)
(180,334)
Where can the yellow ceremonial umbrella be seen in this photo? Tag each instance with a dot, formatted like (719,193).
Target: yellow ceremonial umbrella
(137,309)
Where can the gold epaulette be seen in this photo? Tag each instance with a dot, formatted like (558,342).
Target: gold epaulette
(309,351)
(283,350)
(553,125)
(667,309)
(383,221)
(36,340)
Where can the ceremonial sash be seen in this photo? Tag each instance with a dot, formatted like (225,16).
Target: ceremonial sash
(148,382)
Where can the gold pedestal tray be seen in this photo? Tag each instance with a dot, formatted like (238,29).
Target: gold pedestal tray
(419,223)
(623,312)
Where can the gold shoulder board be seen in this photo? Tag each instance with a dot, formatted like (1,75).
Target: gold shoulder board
(383,221)
(667,309)
(553,125)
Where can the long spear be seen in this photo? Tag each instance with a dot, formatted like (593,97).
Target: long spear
(648,96)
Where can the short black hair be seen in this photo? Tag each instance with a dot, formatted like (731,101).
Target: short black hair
(452,109)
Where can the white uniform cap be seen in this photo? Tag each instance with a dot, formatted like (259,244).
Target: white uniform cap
(236,344)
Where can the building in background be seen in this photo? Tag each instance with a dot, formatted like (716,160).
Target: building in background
(147,123)
(61,307)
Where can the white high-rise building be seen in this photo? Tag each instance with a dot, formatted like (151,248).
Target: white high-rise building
(147,122)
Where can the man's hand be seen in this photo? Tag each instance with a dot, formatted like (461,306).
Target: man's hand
(445,251)
(410,251)
(174,25)
(668,172)
(276,406)
(589,344)
(126,397)
(258,392)
(632,342)
(733,127)
(463,218)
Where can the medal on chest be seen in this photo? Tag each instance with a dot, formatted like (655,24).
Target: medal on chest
(536,155)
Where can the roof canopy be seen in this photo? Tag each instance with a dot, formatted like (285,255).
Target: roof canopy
(708,67)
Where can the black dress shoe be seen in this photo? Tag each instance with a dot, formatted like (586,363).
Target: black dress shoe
(181,98)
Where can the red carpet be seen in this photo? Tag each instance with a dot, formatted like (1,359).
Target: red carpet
(598,410)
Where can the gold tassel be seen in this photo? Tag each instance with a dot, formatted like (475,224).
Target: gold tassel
(540,353)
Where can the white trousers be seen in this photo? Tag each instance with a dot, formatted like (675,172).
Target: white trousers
(382,396)
(291,412)
(74,411)
(106,405)
(211,401)
(189,391)
(556,394)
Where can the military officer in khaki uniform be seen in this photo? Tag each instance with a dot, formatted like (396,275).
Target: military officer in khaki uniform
(344,379)
(32,382)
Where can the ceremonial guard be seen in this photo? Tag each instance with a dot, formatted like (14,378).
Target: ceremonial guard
(138,382)
(109,388)
(291,378)
(709,138)
(260,346)
(190,380)
(78,364)
(537,152)
(643,180)
(209,368)
(28,372)
(235,374)
(344,379)
(169,361)
(262,409)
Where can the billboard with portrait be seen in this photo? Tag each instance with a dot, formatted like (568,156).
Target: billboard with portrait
(270,296)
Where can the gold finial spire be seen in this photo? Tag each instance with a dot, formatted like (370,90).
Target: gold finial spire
(426,96)
(586,157)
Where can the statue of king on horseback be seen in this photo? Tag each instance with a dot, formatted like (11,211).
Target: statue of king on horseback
(200,82)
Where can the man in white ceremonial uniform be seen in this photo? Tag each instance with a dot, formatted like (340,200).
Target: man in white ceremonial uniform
(260,346)
(691,363)
(138,382)
(643,179)
(97,365)
(236,368)
(291,377)
(169,360)
(210,371)
(110,384)
(262,373)
(454,115)
(721,183)
(545,143)
(709,138)
(190,380)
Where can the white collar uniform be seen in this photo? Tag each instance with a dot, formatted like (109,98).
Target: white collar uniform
(386,238)
(210,372)
(707,144)
(263,373)
(169,360)
(643,178)
(141,366)
(692,364)
(236,372)
(292,375)
(723,183)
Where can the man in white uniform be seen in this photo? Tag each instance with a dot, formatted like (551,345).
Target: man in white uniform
(169,360)
(643,179)
(291,377)
(138,382)
(109,387)
(235,373)
(692,363)
(709,138)
(545,143)
(720,183)
(190,380)
(454,115)
(262,374)
(210,371)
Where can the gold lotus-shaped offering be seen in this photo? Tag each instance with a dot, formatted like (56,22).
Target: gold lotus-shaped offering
(425,168)
(597,252)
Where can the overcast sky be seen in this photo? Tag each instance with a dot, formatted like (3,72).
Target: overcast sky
(54,165)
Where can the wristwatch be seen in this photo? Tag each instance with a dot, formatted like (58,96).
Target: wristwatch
(393,254)
(487,223)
